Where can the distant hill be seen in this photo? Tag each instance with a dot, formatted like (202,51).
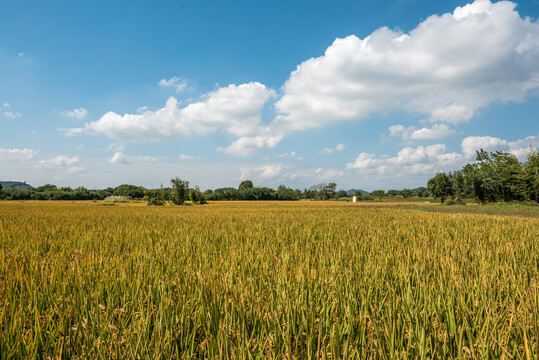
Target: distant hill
(18,185)
(353,191)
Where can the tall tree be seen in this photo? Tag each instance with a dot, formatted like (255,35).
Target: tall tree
(461,188)
(406,193)
(440,186)
(180,190)
(328,191)
(496,176)
(379,194)
(531,175)
(246,184)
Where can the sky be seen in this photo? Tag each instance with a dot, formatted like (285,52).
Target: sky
(366,94)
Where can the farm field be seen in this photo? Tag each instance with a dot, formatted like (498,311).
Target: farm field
(266,280)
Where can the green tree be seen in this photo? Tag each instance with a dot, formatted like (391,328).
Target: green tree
(531,175)
(460,185)
(196,196)
(246,184)
(285,193)
(131,191)
(180,190)
(156,197)
(392,192)
(328,191)
(379,194)
(46,187)
(406,193)
(496,176)
(440,186)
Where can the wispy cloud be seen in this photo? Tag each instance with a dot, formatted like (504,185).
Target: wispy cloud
(338,147)
(17,154)
(118,158)
(175,82)
(79,113)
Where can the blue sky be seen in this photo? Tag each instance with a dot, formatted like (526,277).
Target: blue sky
(365,94)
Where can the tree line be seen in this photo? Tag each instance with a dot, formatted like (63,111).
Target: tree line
(179,191)
(494,177)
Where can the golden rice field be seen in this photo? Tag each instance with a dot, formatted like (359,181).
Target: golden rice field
(265,280)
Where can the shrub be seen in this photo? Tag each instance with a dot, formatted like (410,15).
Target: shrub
(117,199)
(455,202)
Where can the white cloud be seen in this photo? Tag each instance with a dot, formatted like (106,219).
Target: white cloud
(471,144)
(79,113)
(521,148)
(186,157)
(250,145)
(328,174)
(75,170)
(234,109)
(437,131)
(71,132)
(12,115)
(338,147)
(291,155)
(146,158)
(176,82)
(420,161)
(59,161)
(325,151)
(263,172)
(420,154)
(118,158)
(17,154)
(447,68)
(116,147)
(6,105)
(426,160)
(364,161)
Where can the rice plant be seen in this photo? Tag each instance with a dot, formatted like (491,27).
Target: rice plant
(265,280)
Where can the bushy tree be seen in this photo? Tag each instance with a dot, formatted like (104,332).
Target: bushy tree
(155,197)
(132,191)
(285,193)
(378,194)
(531,176)
(47,187)
(461,188)
(246,184)
(180,190)
(196,196)
(496,176)
(440,186)
(327,191)
(392,192)
(406,193)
